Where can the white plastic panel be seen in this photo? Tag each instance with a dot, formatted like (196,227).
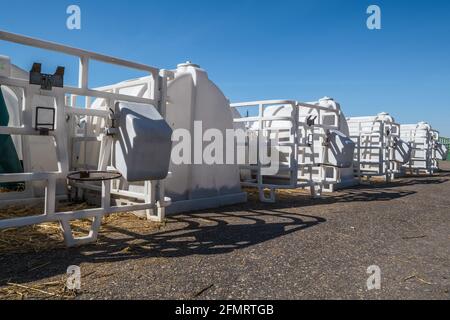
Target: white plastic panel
(143,143)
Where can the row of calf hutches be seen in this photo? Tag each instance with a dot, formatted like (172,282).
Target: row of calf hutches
(114,149)
(377,140)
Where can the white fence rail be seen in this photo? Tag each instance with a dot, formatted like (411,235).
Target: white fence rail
(65,136)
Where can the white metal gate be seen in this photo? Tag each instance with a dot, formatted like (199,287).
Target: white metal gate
(421,138)
(66,136)
(301,141)
(376,138)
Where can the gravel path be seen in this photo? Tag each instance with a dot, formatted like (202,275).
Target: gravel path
(295,249)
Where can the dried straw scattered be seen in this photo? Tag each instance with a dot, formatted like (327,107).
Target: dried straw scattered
(46,290)
(281,194)
(48,236)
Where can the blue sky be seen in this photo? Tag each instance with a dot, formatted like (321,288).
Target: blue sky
(300,50)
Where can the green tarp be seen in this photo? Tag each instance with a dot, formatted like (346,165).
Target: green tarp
(9,160)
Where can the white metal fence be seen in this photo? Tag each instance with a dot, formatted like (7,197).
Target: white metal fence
(66,135)
(301,131)
(421,138)
(376,139)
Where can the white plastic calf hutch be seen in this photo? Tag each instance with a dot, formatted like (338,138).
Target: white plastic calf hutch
(195,104)
(440,151)
(422,140)
(117,146)
(379,150)
(345,172)
(312,151)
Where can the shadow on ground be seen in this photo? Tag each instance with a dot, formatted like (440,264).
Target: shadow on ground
(208,232)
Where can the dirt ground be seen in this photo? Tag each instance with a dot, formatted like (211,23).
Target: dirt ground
(296,249)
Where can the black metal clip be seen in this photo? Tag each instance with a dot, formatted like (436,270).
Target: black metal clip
(395,143)
(310,120)
(310,140)
(46,81)
(327,140)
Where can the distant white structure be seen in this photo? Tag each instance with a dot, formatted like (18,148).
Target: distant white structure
(313,151)
(440,151)
(379,150)
(422,139)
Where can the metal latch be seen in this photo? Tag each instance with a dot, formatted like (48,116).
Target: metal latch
(310,140)
(113,118)
(46,81)
(327,141)
(310,120)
